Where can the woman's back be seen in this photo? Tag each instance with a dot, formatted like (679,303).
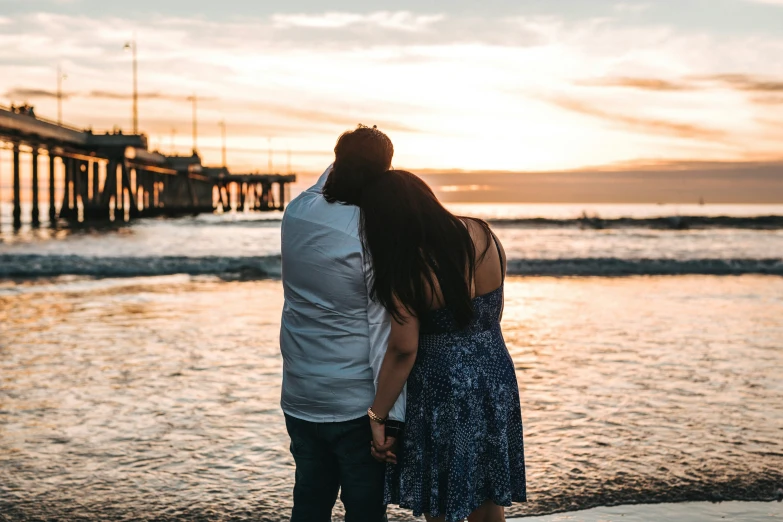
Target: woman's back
(487,287)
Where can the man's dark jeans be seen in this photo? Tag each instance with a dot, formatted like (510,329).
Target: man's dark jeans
(332,456)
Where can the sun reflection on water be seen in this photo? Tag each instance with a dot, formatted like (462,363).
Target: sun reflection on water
(159,396)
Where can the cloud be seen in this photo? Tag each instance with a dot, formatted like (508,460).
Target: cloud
(258,130)
(736,81)
(744,82)
(639,124)
(647,84)
(264,149)
(464,188)
(768,100)
(261,122)
(32,94)
(20,93)
(313,117)
(347,120)
(440,82)
(388,29)
(398,21)
(630,7)
(114,95)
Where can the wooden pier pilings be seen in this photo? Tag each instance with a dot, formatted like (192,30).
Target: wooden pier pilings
(115,177)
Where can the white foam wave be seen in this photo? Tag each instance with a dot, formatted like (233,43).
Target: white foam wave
(269,267)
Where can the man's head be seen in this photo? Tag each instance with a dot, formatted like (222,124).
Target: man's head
(358,155)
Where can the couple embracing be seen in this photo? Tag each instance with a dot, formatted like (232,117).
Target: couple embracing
(397,384)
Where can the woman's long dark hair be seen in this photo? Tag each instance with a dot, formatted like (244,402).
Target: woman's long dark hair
(414,242)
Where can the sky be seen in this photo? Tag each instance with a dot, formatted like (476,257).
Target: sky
(539,85)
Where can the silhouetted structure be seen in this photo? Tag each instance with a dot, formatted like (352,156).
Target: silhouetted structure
(115,176)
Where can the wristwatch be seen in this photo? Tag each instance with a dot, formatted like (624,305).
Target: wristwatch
(394,428)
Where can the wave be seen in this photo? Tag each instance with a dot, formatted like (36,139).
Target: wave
(615,267)
(660,223)
(772,222)
(34,265)
(269,267)
(584,221)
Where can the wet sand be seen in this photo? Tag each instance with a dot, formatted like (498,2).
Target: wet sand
(684,512)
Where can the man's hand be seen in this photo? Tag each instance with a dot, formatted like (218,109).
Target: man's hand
(385,455)
(382,447)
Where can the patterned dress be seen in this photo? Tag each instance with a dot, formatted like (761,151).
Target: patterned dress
(463,433)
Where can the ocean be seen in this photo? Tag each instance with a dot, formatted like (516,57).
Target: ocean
(140,368)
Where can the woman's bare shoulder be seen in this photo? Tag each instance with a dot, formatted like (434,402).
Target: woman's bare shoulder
(477,228)
(480,234)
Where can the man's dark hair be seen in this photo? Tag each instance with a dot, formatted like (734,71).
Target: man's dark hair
(359,155)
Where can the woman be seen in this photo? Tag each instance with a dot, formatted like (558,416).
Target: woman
(441,278)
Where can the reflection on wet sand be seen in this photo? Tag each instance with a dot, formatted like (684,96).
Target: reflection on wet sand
(158,397)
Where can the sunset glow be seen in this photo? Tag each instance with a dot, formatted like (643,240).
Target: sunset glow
(533,88)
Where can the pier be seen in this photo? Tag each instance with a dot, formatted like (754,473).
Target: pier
(114,176)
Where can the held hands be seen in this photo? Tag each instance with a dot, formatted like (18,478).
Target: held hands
(382,447)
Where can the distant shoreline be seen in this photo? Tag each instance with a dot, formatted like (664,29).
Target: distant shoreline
(665,183)
(741,185)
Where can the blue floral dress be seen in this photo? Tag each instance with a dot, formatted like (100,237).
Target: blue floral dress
(463,441)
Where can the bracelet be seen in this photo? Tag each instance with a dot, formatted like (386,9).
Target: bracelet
(374,417)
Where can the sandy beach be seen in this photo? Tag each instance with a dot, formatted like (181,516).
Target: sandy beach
(684,512)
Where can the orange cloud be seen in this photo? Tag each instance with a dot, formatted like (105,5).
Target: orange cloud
(113,95)
(648,84)
(745,82)
(311,116)
(21,93)
(768,100)
(646,125)
(740,82)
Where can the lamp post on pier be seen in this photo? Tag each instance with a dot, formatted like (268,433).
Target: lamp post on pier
(269,155)
(222,125)
(60,78)
(131,46)
(194,99)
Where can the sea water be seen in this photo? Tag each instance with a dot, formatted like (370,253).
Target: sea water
(140,367)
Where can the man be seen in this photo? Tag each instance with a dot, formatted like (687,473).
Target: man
(333,338)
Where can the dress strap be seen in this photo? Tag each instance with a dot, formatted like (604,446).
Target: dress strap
(500,256)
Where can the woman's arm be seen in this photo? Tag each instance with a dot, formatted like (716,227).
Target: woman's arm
(397,365)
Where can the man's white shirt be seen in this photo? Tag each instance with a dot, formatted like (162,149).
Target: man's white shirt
(333,336)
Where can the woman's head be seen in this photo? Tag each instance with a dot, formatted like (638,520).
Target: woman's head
(416,246)
(359,155)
